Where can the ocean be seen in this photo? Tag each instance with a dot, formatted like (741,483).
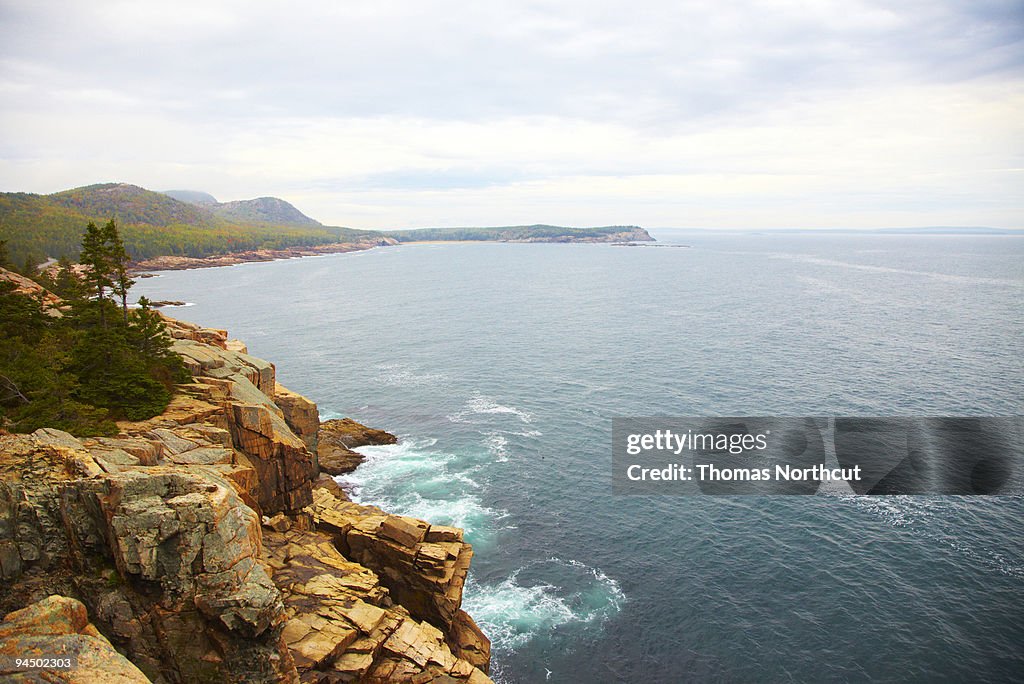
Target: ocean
(501,366)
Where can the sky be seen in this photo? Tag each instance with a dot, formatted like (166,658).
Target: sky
(681,113)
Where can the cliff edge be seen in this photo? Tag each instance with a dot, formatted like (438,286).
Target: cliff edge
(205,546)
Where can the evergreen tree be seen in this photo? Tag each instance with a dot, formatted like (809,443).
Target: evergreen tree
(36,388)
(28,269)
(96,257)
(121,282)
(79,370)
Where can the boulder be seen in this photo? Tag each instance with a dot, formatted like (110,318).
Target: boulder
(58,627)
(191,533)
(338,438)
(349,433)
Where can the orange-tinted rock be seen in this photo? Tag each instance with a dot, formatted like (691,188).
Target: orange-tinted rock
(158,531)
(469,642)
(338,438)
(58,627)
(301,415)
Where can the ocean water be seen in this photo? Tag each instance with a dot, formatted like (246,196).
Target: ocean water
(500,366)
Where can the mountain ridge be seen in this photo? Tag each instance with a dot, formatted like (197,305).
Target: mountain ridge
(258,210)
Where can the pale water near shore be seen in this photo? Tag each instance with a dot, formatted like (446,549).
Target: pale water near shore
(501,366)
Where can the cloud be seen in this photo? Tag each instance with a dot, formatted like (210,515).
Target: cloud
(417,113)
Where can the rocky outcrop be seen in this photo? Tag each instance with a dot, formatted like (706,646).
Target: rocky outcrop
(26,286)
(423,566)
(206,548)
(301,415)
(346,625)
(58,627)
(349,433)
(166,557)
(339,437)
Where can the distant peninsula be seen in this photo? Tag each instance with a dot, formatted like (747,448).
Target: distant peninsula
(534,233)
(191,229)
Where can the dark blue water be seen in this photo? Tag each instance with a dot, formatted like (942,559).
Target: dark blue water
(501,366)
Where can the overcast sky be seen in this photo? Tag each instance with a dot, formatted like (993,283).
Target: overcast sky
(386,114)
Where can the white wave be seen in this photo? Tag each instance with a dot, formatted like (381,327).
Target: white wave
(465,512)
(559,593)
(481,405)
(820,285)
(497,444)
(411,478)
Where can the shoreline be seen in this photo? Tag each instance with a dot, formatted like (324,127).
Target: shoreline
(183,263)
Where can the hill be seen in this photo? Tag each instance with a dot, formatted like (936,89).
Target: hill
(260,210)
(130,204)
(196,197)
(263,210)
(37,227)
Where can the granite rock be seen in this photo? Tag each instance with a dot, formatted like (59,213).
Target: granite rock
(207,547)
(59,627)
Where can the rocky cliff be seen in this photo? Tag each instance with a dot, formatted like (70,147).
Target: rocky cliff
(205,546)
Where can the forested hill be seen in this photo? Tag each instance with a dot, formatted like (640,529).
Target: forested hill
(130,204)
(37,227)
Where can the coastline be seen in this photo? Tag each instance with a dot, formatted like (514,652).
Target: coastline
(208,545)
(183,263)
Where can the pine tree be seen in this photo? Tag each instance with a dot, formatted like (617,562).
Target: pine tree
(74,371)
(36,388)
(28,269)
(96,257)
(121,282)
